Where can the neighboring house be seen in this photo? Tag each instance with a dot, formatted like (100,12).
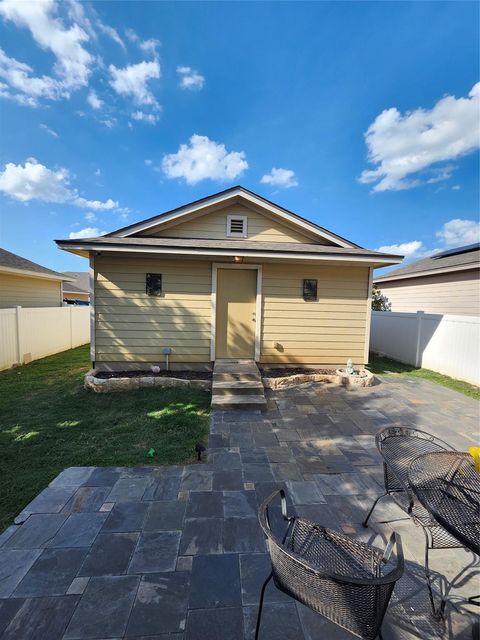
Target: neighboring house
(228,276)
(446,282)
(78,290)
(27,284)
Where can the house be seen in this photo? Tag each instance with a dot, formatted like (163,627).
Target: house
(446,283)
(229,276)
(27,284)
(78,289)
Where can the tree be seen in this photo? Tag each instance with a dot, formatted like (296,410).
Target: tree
(380,302)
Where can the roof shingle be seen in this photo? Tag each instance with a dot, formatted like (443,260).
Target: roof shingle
(10,260)
(462,257)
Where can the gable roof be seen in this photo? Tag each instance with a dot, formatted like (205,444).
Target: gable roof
(16,265)
(240,194)
(81,283)
(459,259)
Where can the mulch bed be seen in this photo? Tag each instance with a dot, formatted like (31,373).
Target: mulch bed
(184,375)
(292,371)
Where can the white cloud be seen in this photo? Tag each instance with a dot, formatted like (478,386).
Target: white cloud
(35,181)
(95,204)
(132,81)
(98,172)
(93,100)
(132,35)
(18,76)
(457,233)
(203,159)
(90,216)
(149,46)
(407,249)
(111,33)
(190,79)
(280,178)
(403,145)
(148,163)
(48,130)
(73,61)
(456,187)
(149,118)
(109,122)
(88,232)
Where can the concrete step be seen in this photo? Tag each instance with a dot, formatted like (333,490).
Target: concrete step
(236,387)
(245,402)
(237,384)
(236,377)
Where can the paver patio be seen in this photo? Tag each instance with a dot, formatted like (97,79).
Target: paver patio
(177,552)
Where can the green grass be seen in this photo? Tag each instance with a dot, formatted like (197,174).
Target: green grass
(385,366)
(48,421)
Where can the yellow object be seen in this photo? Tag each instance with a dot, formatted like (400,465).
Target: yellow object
(475,453)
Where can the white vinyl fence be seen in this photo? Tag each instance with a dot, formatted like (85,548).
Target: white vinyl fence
(29,334)
(442,343)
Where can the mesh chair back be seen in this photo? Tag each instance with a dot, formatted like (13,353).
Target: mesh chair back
(346,581)
(398,446)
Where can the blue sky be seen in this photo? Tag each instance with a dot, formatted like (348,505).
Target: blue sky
(360,116)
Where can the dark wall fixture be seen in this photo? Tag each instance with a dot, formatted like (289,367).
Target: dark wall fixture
(153,284)
(310,290)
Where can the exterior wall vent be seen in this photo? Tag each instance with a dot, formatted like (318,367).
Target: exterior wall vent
(237,227)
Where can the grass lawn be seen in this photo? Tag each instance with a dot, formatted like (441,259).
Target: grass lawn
(385,366)
(48,422)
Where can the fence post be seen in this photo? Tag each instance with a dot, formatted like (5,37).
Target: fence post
(19,339)
(71,326)
(418,352)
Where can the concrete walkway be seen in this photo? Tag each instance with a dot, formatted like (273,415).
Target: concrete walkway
(176,552)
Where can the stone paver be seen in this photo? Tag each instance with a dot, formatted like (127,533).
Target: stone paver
(176,552)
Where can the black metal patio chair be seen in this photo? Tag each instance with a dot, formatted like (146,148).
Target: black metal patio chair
(348,582)
(399,446)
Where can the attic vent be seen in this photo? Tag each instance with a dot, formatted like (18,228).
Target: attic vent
(237,226)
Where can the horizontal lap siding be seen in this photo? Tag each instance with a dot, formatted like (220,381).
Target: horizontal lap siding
(449,293)
(327,331)
(214,226)
(29,292)
(133,327)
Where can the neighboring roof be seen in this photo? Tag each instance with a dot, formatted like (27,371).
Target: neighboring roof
(185,246)
(218,198)
(81,282)
(459,259)
(11,263)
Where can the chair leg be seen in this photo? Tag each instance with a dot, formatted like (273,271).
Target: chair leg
(438,613)
(365,522)
(260,606)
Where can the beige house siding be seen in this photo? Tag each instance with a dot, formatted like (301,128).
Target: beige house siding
(214,226)
(19,290)
(456,293)
(328,331)
(131,326)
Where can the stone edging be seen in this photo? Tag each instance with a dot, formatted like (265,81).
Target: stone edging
(105,385)
(303,378)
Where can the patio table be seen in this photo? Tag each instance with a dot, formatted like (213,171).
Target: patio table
(448,486)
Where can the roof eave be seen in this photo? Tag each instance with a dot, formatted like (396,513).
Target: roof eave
(34,274)
(374,260)
(430,272)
